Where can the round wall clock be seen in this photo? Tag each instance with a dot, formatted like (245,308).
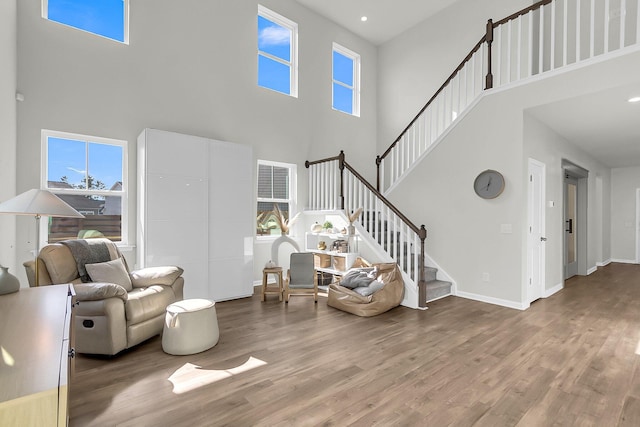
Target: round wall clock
(489,184)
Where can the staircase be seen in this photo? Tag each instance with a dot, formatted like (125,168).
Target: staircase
(392,244)
(545,37)
(334,185)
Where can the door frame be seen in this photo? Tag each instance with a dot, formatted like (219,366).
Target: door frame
(582,175)
(637,225)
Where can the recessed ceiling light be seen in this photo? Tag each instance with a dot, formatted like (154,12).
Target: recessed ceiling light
(635,99)
(364,18)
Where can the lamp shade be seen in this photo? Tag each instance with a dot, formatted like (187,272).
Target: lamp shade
(39,202)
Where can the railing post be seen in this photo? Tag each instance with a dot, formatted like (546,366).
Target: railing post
(422,284)
(378,161)
(489,37)
(341,166)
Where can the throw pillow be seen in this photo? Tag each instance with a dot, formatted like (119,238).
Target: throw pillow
(358,277)
(110,272)
(373,287)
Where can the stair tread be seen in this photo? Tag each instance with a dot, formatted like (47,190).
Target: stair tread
(433,284)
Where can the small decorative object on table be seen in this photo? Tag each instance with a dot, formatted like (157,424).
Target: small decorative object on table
(8,282)
(316,228)
(327,226)
(352,218)
(322,245)
(270,264)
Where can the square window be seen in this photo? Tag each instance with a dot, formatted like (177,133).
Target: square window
(89,174)
(277,52)
(346,80)
(106,18)
(275,187)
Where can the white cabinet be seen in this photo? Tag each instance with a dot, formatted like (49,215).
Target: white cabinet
(330,260)
(195,210)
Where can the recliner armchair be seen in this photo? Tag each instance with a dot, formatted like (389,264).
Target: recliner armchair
(110,317)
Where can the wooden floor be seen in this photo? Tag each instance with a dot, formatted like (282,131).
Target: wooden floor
(571,359)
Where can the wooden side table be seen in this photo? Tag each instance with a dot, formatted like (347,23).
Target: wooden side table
(276,271)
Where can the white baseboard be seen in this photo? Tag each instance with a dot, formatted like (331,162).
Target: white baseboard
(492,300)
(592,270)
(604,263)
(624,261)
(556,288)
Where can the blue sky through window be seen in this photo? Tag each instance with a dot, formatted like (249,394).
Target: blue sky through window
(274,41)
(67,157)
(343,82)
(102,17)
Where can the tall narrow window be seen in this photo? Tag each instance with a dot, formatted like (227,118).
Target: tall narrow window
(106,18)
(89,173)
(277,52)
(276,186)
(346,80)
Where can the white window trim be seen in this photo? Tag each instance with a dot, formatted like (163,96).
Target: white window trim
(45,15)
(356,78)
(44,173)
(293,191)
(293,54)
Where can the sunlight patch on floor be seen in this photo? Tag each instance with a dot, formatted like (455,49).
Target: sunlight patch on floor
(190,377)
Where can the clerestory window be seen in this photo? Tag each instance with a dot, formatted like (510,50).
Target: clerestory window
(346,80)
(106,18)
(277,52)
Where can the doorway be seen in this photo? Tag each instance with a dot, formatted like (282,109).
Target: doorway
(575,220)
(536,239)
(570,222)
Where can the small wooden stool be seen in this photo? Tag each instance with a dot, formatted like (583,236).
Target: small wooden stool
(276,271)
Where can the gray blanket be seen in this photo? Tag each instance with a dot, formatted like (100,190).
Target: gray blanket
(87,252)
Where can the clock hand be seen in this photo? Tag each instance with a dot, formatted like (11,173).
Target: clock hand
(488,184)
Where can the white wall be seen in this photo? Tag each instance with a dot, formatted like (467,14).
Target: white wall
(190,68)
(545,145)
(8,67)
(624,182)
(412,66)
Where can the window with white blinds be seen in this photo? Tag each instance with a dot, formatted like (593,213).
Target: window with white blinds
(275,187)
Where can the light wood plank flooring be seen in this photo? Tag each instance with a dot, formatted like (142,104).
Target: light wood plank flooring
(569,360)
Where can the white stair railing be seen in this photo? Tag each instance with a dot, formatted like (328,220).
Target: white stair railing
(546,36)
(335,185)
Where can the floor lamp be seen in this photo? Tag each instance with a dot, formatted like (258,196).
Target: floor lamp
(38,203)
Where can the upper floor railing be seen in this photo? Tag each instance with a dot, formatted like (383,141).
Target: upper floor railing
(546,36)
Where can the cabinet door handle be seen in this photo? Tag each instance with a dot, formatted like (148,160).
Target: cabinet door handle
(72,353)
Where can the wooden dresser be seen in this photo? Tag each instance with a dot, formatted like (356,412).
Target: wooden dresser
(35,362)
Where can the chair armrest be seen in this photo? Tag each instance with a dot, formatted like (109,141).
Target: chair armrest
(95,291)
(155,276)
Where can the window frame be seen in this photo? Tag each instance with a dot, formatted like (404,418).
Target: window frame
(292,201)
(125,36)
(124,193)
(293,54)
(355,89)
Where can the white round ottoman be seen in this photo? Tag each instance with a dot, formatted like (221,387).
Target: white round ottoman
(190,326)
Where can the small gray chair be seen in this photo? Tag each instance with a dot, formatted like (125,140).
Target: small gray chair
(301,277)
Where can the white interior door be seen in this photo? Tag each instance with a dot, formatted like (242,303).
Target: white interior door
(536,237)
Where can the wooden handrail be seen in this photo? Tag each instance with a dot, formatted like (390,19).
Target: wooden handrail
(383,199)
(315,162)
(487,38)
(522,12)
(444,85)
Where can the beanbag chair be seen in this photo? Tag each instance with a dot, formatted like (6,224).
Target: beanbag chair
(372,299)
